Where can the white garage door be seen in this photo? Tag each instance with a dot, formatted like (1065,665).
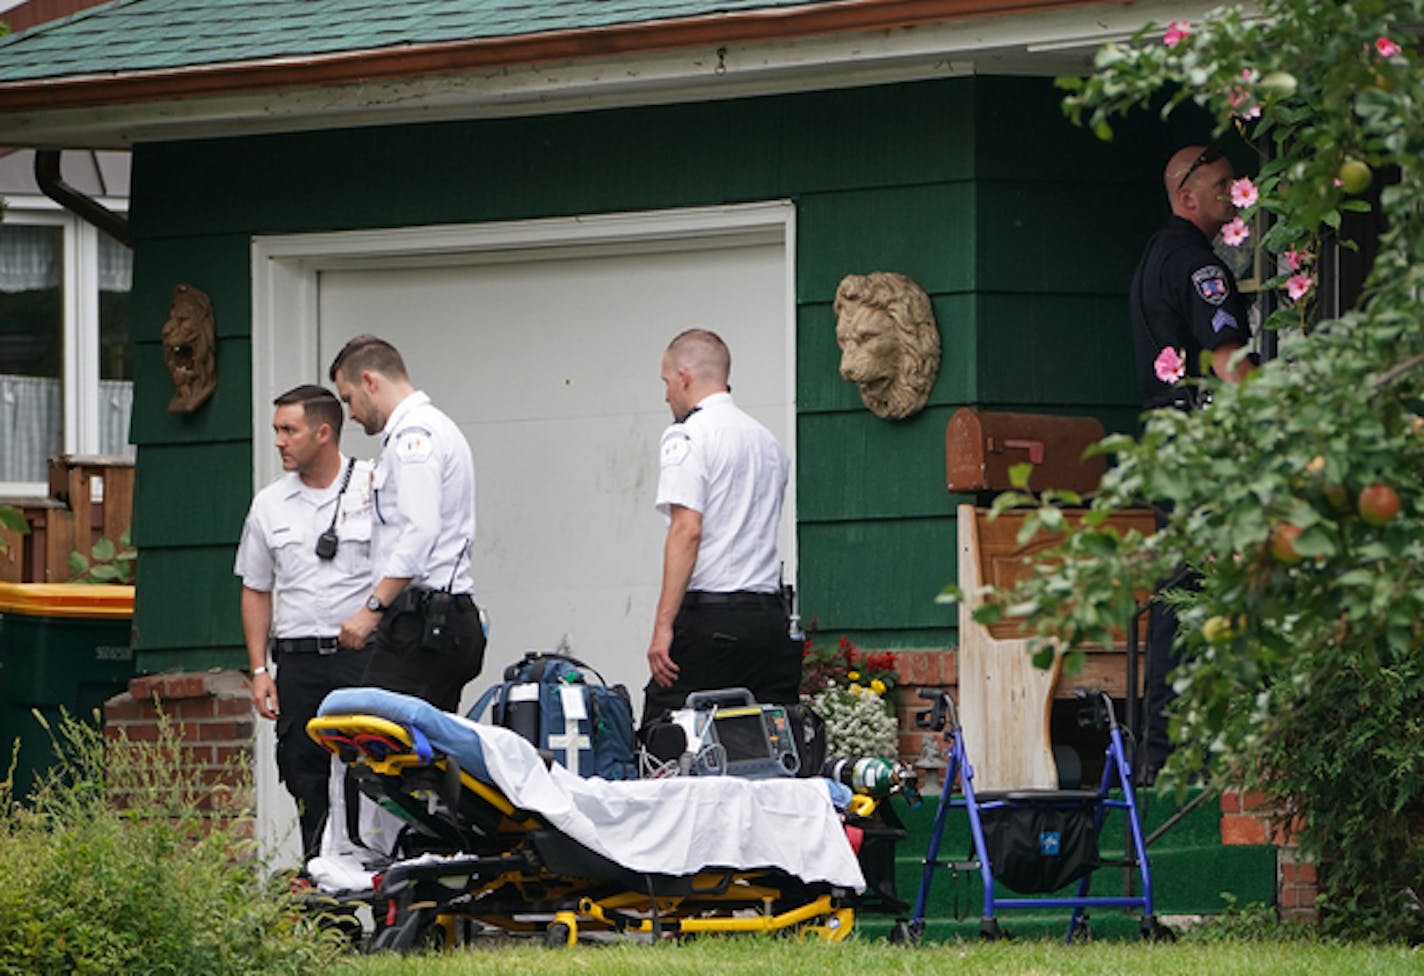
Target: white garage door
(550,367)
(543,341)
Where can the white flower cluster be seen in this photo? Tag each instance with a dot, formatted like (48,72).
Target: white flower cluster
(857,723)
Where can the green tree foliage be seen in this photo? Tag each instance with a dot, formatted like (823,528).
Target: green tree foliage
(1299,494)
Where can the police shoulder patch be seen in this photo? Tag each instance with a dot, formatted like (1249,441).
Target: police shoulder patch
(413,444)
(676,446)
(1211,284)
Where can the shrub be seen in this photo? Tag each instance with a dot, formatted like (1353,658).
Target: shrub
(125,860)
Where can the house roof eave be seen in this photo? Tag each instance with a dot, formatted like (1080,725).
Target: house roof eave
(838,44)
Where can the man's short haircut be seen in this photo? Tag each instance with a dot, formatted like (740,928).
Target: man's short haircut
(367,352)
(702,353)
(319,406)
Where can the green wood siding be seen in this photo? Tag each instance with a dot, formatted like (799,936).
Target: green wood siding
(1022,230)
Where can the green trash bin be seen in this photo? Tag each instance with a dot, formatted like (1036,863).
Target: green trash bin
(63,646)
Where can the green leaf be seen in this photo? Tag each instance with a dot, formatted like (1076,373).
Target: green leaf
(13,519)
(1102,130)
(104,574)
(103,551)
(1315,541)
(1073,663)
(1019,475)
(1043,657)
(78,563)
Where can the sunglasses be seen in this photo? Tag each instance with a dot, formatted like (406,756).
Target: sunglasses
(1206,157)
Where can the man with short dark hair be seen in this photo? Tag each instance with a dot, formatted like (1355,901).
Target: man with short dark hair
(305,564)
(420,616)
(721,619)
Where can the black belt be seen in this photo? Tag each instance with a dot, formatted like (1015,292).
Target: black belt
(416,598)
(741,600)
(305,645)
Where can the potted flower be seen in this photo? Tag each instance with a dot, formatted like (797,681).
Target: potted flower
(850,691)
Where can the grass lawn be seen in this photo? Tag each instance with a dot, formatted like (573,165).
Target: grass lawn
(877,958)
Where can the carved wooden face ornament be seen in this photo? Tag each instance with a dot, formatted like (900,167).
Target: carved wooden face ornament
(189,349)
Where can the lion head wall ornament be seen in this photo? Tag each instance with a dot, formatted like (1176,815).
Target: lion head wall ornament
(889,343)
(189,346)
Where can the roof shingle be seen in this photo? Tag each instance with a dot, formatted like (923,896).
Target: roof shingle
(145,35)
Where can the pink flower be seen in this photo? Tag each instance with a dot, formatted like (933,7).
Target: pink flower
(1169,365)
(1294,258)
(1177,32)
(1238,98)
(1385,47)
(1234,233)
(1243,104)
(1243,192)
(1299,285)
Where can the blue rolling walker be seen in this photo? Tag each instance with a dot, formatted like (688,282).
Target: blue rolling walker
(1036,841)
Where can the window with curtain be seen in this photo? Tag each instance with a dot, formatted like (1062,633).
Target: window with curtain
(47,267)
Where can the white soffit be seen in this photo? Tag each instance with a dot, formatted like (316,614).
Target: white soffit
(1046,43)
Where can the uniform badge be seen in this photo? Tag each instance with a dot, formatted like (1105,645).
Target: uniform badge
(675,448)
(1222,320)
(1210,283)
(413,444)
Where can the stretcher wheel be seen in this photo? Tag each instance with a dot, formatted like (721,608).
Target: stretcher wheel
(413,931)
(558,935)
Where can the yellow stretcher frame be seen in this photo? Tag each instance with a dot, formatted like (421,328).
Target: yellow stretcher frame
(717,901)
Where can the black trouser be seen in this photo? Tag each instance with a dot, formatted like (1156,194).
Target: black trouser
(406,656)
(738,644)
(1163,656)
(303,680)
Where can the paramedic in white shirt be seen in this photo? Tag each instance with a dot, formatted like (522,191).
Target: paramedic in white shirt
(721,619)
(305,565)
(420,615)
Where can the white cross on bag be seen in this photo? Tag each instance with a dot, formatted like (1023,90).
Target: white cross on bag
(572,741)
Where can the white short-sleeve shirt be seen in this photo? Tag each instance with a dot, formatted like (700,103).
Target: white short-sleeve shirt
(277,553)
(424,492)
(724,464)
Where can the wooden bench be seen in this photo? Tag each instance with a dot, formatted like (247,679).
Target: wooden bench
(1005,703)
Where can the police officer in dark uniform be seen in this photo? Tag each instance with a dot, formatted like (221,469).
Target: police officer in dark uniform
(1184,302)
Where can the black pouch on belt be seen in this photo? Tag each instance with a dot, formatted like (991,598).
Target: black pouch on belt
(438,607)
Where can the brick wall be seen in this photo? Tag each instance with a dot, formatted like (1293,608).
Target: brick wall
(1247,817)
(213,712)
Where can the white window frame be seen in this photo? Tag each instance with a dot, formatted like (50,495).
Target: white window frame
(79,333)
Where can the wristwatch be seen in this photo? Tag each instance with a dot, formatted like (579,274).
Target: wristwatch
(374,604)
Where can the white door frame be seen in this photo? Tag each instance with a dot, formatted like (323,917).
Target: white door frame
(285,292)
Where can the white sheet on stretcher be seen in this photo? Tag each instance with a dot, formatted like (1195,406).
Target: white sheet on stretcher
(675,826)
